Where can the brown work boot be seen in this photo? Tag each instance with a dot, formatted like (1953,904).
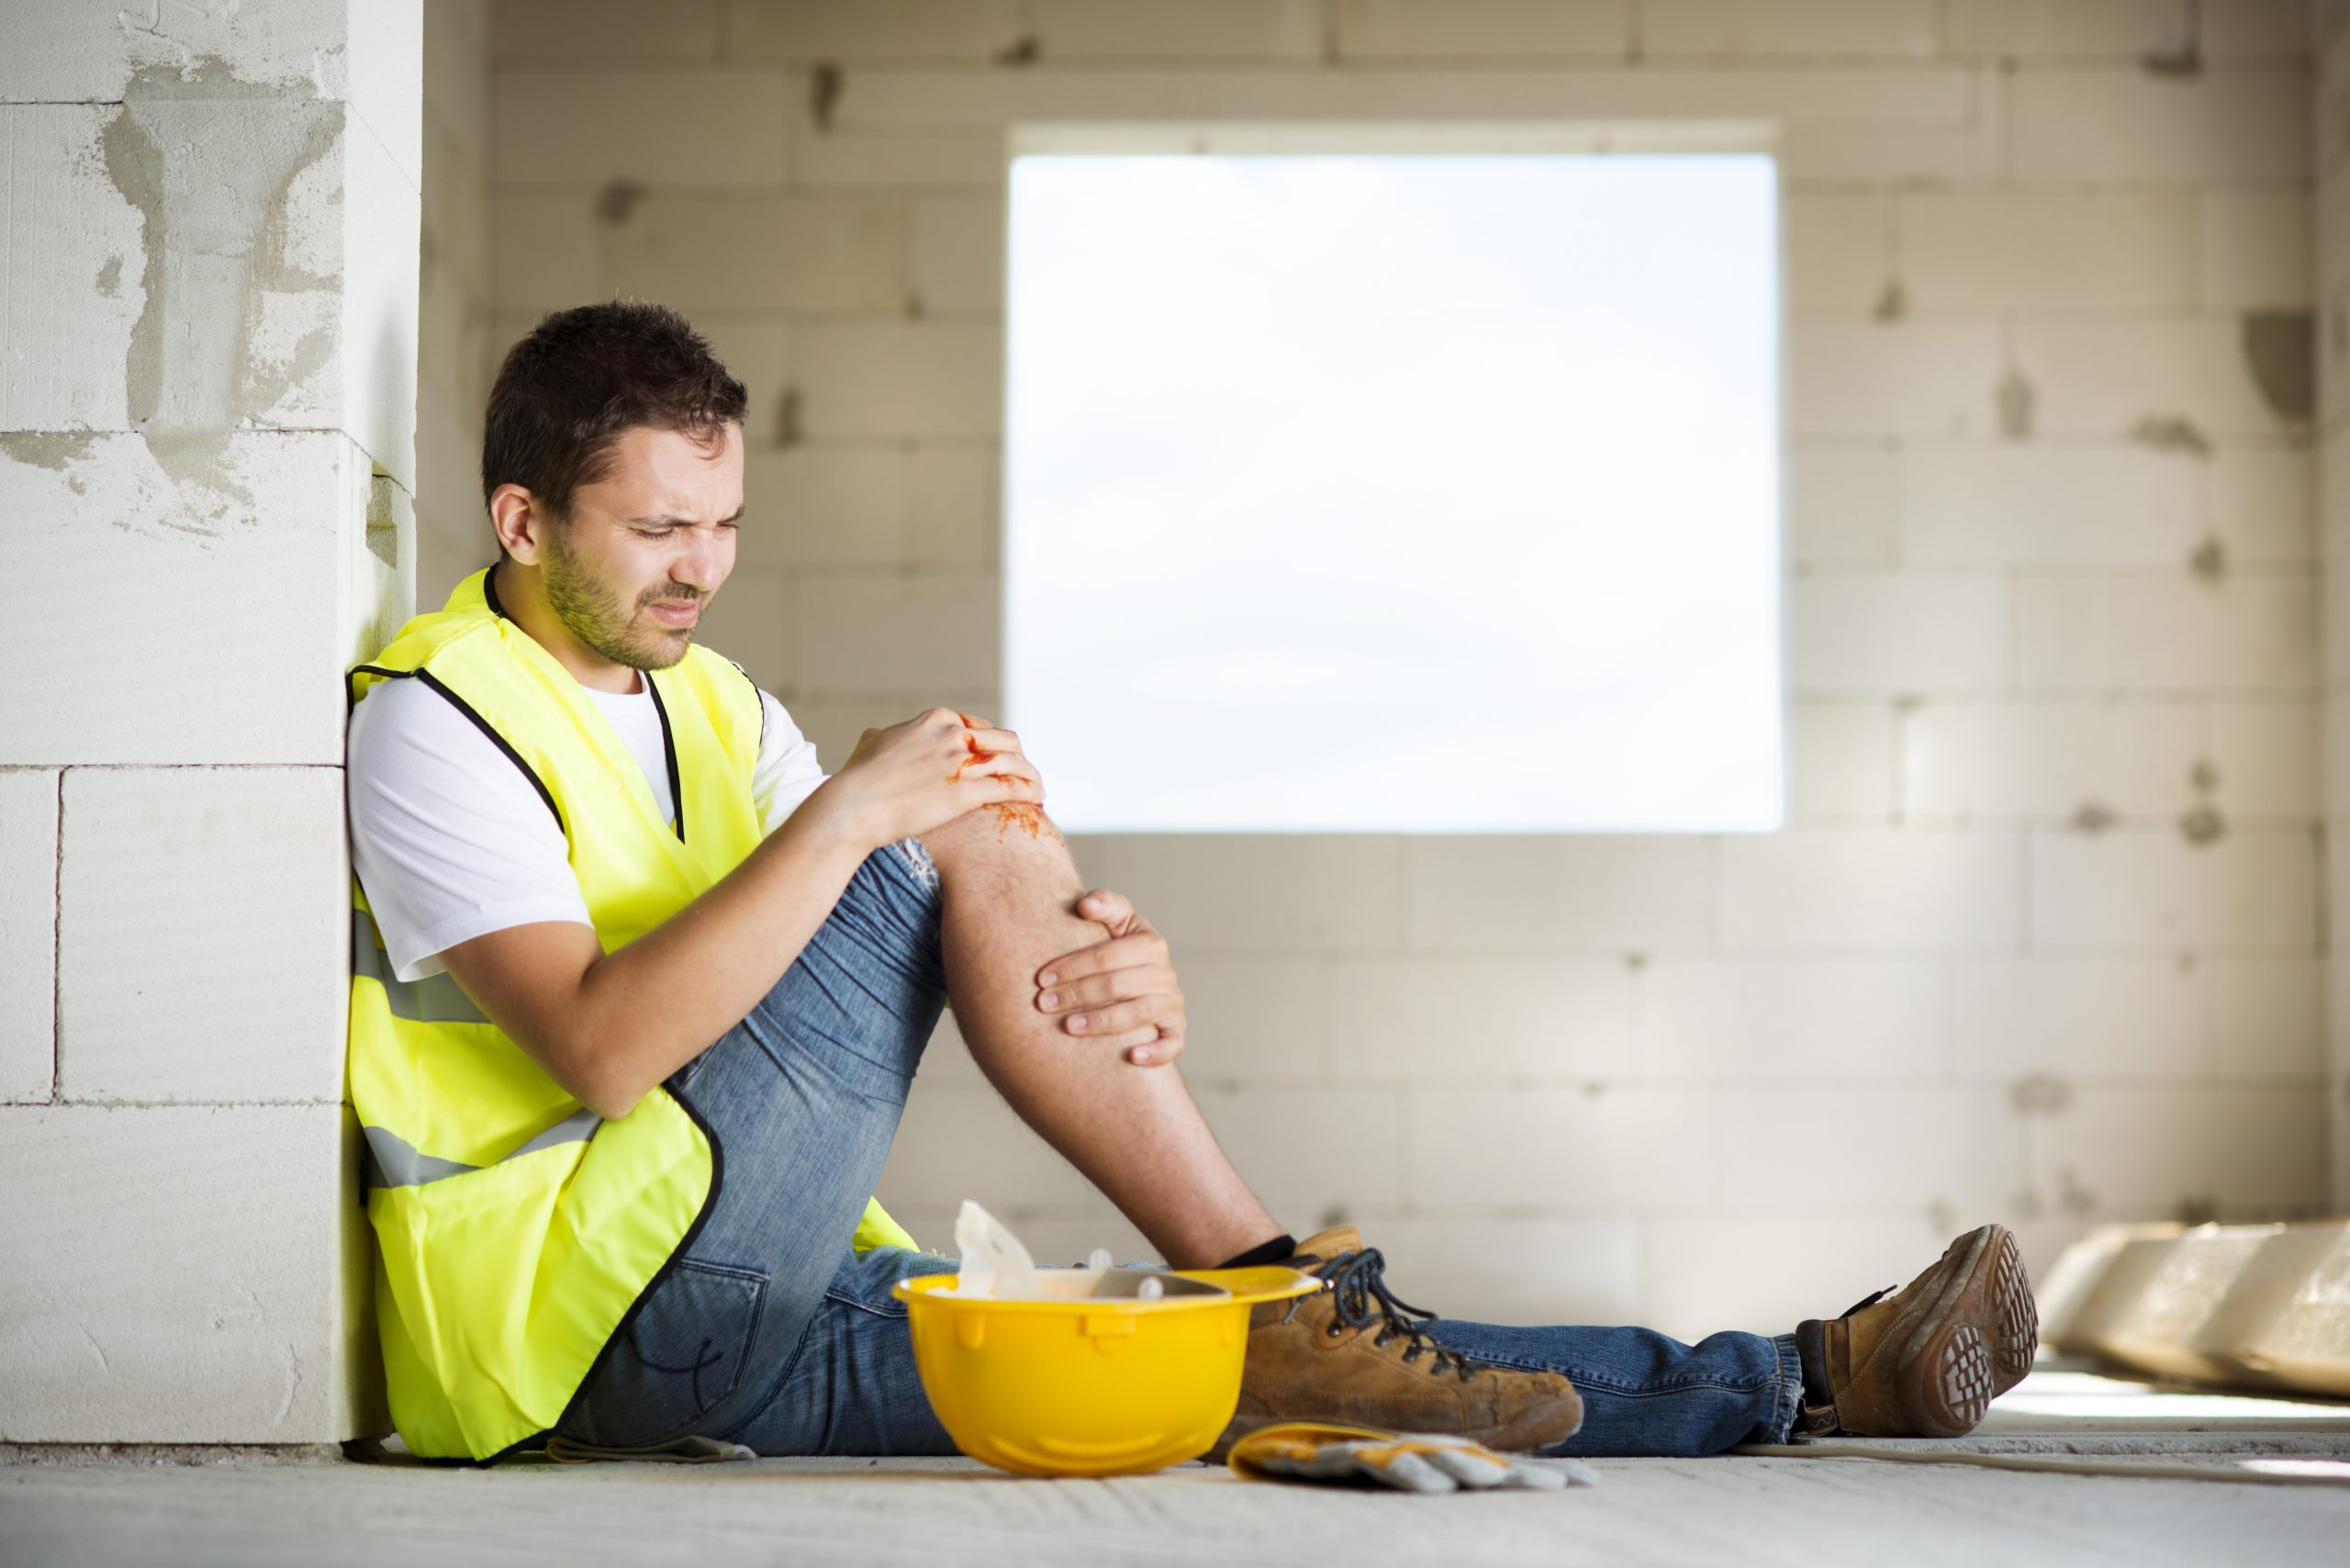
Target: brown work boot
(1353,1353)
(1928,1362)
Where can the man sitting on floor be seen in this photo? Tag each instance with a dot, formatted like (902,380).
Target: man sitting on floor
(640,993)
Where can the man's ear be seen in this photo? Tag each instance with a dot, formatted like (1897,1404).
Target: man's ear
(519,522)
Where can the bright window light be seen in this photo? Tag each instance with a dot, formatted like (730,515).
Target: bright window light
(1420,494)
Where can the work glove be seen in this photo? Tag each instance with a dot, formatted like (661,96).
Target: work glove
(1409,1462)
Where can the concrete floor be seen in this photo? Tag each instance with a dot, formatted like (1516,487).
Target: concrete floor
(867,1512)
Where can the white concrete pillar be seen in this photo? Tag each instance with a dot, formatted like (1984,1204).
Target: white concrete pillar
(207,325)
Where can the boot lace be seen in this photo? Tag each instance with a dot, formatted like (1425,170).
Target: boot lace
(1360,1293)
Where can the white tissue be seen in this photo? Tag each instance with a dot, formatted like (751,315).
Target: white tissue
(994,1262)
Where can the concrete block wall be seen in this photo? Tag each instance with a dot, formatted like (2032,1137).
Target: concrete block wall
(2044,940)
(453,363)
(207,413)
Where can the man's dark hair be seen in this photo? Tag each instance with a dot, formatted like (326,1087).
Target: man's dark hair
(580,377)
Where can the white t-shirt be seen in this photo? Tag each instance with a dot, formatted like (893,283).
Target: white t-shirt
(452,841)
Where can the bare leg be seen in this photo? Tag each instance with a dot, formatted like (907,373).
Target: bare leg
(1133,1131)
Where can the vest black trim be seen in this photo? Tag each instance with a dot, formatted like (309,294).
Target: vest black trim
(462,706)
(669,754)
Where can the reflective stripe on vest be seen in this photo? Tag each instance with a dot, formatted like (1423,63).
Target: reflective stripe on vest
(515,1231)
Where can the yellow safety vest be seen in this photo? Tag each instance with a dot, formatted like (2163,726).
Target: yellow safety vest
(516,1230)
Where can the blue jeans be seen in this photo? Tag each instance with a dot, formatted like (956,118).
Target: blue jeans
(769,1332)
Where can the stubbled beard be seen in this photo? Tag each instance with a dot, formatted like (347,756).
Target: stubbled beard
(591,612)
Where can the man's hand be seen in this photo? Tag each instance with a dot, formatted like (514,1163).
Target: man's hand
(909,778)
(1122,992)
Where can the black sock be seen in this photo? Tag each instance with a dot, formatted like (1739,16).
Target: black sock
(1812,1352)
(1273,1251)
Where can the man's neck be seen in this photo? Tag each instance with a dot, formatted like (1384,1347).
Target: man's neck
(521,595)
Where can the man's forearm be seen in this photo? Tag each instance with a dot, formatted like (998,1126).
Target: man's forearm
(610,1027)
(646,1010)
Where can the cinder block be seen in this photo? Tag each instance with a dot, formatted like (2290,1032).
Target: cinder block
(709,127)
(1842,760)
(2172,632)
(1845,504)
(2251,124)
(2131,1154)
(1705,1273)
(621,31)
(1928,1148)
(1253,896)
(1259,1021)
(2107,249)
(27,933)
(71,289)
(2258,29)
(1431,1020)
(1890,101)
(903,379)
(878,160)
(959,249)
(2012,504)
(1608,893)
(456,73)
(764,253)
(183,539)
(455,215)
(1881,632)
(876,635)
(824,506)
(763,353)
(204,935)
(958,1141)
(1913,378)
(750,621)
(381,70)
(372,391)
(1593,1150)
(2263,1018)
(1750,1020)
(547,253)
(1838,249)
(1969,144)
(1205,29)
(1472,1266)
(955,507)
(2266,757)
(2032,29)
(2044,761)
(2257,249)
(2149,887)
(1741,30)
(853,30)
(194,1274)
(90,54)
(2035,1015)
(2262,504)
(834,725)
(1482,29)
(1302,1176)
(2103,377)
(1873,889)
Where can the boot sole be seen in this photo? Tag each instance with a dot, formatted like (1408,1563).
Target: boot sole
(1956,1362)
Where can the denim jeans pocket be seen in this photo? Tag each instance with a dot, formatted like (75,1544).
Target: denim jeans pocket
(681,1355)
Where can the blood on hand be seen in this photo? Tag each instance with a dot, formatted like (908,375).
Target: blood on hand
(1026,816)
